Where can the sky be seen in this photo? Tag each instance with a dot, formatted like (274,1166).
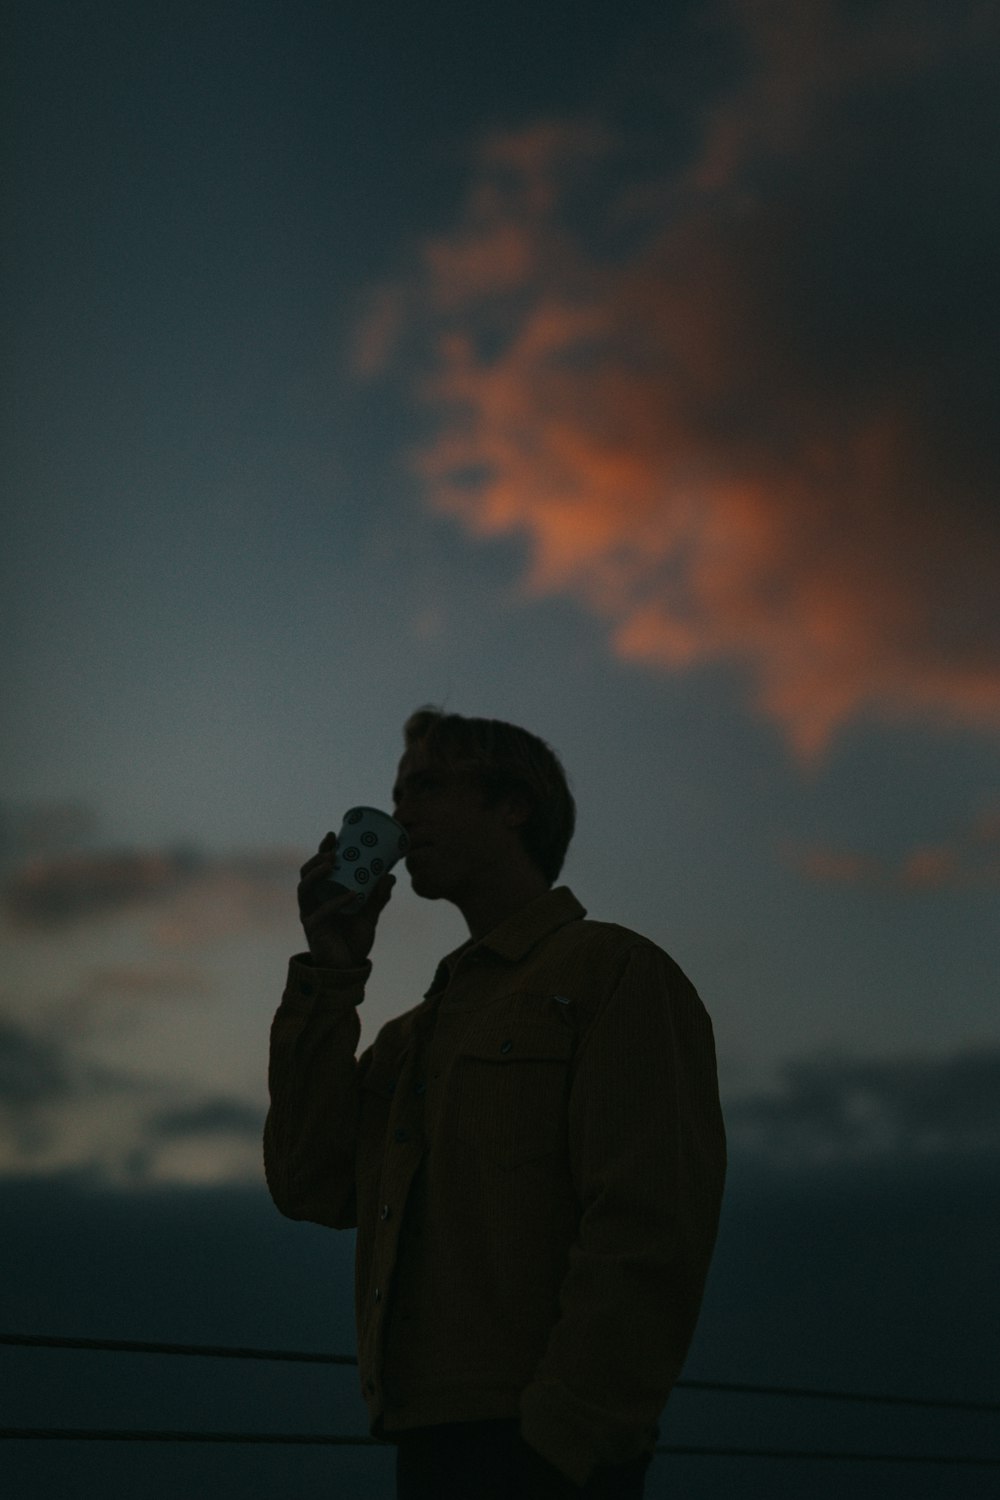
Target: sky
(624,371)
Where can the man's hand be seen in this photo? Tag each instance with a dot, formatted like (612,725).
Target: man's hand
(337,939)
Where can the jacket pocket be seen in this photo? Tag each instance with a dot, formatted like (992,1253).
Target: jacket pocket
(511,1085)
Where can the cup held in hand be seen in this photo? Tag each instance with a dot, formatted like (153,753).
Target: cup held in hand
(369,843)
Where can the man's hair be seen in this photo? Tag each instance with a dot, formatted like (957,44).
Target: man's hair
(505,760)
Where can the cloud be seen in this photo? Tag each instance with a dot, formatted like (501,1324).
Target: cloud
(95,1073)
(832,1108)
(32,1069)
(33,829)
(208,1117)
(970,857)
(203,1140)
(250,892)
(62,1112)
(52,892)
(43,1083)
(743,406)
(196,898)
(118,998)
(377,331)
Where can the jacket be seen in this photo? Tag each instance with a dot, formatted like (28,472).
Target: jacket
(534,1160)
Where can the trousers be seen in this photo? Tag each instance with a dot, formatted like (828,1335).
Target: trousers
(491,1461)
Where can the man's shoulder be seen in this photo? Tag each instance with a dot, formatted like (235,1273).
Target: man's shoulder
(590,957)
(593,936)
(585,933)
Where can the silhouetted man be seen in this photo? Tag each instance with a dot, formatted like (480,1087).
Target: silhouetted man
(533,1156)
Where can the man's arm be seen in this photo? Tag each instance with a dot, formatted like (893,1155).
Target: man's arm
(313,1076)
(647,1148)
(314,1083)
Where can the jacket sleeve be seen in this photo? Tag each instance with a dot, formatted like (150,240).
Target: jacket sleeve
(314,1082)
(647,1151)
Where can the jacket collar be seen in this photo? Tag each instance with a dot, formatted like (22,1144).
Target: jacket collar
(514,938)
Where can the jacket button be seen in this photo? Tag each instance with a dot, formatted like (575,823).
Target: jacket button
(385,1211)
(402,1134)
(507,1047)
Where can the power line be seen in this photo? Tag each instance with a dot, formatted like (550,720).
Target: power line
(809,1392)
(134,1346)
(112,1435)
(853,1458)
(126,1435)
(724,1387)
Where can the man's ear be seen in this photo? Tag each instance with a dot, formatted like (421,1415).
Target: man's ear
(517,810)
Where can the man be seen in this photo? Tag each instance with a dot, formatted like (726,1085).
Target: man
(533,1156)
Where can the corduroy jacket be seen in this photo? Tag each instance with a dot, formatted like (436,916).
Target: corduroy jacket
(534,1160)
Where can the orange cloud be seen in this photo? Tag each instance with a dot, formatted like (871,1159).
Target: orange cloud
(744,412)
(970,857)
(838,866)
(377,332)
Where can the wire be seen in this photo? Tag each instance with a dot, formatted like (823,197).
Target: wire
(811,1393)
(132,1346)
(108,1435)
(853,1458)
(114,1435)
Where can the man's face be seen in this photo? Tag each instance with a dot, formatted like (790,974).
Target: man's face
(457,842)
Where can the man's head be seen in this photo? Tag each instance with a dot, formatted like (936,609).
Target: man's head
(508,765)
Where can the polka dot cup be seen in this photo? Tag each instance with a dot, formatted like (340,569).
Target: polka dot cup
(368,845)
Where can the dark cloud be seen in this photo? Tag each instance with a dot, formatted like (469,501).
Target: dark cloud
(201,894)
(33,829)
(61,1111)
(41,1078)
(743,406)
(33,1069)
(207,1117)
(837,1108)
(134,983)
(51,892)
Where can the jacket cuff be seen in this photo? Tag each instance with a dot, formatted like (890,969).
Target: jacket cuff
(553,1429)
(307,982)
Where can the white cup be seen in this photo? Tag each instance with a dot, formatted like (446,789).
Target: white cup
(368,845)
